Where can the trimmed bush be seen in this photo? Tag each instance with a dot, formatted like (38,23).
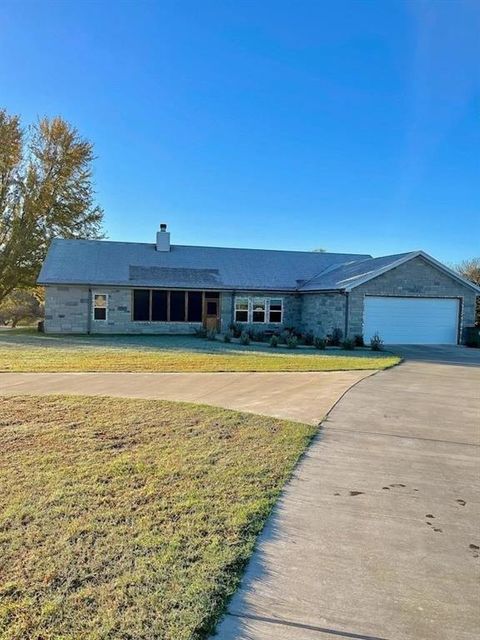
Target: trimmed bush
(245,338)
(359,341)
(212,335)
(236,330)
(376,343)
(348,344)
(319,343)
(274,340)
(335,337)
(227,337)
(292,342)
(308,338)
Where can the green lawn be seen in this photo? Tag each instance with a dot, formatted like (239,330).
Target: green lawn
(130,518)
(27,350)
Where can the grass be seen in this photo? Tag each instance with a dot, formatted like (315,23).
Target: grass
(130,519)
(26,350)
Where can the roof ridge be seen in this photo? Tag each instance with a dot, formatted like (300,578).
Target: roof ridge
(195,246)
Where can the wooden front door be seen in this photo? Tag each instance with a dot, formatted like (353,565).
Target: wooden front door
(211,314)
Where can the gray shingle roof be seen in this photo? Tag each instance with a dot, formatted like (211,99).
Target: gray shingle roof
(347,275)
(100,262)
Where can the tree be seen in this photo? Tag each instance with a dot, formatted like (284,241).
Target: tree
(470,269)
(46,191)
(21,305)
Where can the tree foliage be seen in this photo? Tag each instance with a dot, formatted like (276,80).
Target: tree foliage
(469,269)
(46,191)
(21,305)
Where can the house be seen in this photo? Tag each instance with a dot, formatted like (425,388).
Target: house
(97,286)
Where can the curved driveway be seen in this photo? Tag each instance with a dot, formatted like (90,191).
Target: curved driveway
(378,534)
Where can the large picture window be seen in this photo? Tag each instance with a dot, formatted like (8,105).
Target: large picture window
(158,305)
(100,303)
(259,310)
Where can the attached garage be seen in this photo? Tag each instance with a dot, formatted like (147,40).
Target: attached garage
(412,320)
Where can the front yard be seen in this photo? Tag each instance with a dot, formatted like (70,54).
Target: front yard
(130,518)
(27,350)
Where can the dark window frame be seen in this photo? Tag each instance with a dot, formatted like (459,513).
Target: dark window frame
(200,305)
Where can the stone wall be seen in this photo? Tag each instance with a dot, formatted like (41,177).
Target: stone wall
(322,312)
(291,310)
(67,310)
(414,278)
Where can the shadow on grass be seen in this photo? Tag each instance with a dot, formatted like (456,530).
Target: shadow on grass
(21,338)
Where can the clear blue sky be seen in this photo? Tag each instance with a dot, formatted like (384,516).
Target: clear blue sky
(353,126)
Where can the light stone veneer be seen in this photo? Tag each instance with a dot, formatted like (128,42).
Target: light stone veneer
(67,308)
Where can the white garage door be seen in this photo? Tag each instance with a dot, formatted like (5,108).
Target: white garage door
(411,320)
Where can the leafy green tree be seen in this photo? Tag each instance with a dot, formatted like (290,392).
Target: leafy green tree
(46,191)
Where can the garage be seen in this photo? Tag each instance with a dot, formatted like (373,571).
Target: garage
(401,320)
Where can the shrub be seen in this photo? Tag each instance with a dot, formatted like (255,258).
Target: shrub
(319,343)
(201,332)
(359,341)
(376,343)
(283,337)
(212,335)
(274,340)
(348,344)
(335,337)
(227,337)
(292,342)
(472,337)
(258,336)
(235,329)
(308,338)
(245,337)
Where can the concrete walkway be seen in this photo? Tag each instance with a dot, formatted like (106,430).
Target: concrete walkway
(305,397)
(378,536)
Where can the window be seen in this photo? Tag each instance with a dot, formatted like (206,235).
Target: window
(194,309)
(100,306)
(158,305)
(177,306)
(259,310)
(141,304)
(241,309)
(275,309)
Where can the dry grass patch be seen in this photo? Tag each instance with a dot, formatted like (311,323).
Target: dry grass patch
(130,518)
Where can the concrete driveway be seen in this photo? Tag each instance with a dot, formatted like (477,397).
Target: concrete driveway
(378,534)
(305,396)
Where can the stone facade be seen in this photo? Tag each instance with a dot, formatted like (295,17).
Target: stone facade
(323,312)
(68,309)
(416,277)
(291,310)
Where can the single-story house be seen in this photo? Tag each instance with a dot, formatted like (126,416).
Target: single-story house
(97,286)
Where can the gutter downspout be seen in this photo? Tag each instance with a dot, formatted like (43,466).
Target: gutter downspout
(347,312)
(89,311)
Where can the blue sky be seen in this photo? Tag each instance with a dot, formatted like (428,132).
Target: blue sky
(352,126)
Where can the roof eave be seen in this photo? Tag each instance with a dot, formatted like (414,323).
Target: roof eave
(407,258)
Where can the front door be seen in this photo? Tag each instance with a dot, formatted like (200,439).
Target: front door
(211,315)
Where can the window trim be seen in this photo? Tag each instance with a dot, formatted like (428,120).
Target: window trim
(267,302)
(94,307)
